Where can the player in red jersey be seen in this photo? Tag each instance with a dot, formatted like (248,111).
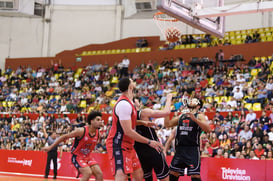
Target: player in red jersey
(121,138)
(86,139)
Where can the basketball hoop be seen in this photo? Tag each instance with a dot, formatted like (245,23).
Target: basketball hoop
(169,26)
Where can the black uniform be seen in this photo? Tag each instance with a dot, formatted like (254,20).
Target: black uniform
(187,155)
(149,158)
(51,155)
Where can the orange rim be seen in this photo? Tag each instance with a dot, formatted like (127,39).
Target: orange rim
(156,17)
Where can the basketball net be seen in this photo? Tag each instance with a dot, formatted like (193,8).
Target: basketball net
(169,26)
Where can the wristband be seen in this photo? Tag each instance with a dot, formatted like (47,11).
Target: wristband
(149,142)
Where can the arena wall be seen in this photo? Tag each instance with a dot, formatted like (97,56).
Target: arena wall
(68,27)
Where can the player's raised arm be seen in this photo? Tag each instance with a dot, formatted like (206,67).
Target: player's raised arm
(159,113)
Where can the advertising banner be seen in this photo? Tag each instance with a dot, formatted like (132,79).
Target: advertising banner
(212,169)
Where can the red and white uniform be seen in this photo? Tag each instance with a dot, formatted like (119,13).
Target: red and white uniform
(119,146)
(82,148)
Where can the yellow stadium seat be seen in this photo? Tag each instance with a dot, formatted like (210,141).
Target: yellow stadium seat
(58,97)
(217,99)
(112,103)
(193,45)
(233,42)
(248,106)
(257,58)
(91,108)
(23,109)
(188,46)
(174,94)
(76,75)
(238,37)
(260,30)
(108,51)
(182,46)
(114,51)
(238,41)
(211,80)
(10,103)
(263,59)
(94,52)
(83,104)
(138,50)
(249,31)
(231,33)
(79,70)
(263,39)
(84,53)
(257,106)
(204,45)
(114,80)
(4,103)
(224,98)
(267,29)
(230,72)
(244,36)
(243,31)
(128,50)
(269,38)
(232,37)
(209,99)
(176,47)
(254,72)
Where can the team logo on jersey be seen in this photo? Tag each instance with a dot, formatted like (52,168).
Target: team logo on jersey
(85,138)
(186,122)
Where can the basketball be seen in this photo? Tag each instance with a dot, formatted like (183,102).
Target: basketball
(172,34)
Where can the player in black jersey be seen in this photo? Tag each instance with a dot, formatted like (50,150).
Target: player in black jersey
(150,158)
(187,154)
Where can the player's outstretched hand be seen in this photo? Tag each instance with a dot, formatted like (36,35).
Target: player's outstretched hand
(156,145)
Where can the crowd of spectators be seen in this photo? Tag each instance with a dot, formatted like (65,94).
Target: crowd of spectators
(54,92)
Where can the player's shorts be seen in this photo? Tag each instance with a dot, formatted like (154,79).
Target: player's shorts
(125,159)
(150,159)
(81,162)
(186,160)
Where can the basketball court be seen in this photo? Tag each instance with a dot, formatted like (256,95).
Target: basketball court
(4,176)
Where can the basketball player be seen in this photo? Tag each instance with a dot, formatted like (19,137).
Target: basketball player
(150,159)
(122,136)
(187,145)
(85,141)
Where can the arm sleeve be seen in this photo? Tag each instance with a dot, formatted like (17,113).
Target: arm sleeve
(124,110)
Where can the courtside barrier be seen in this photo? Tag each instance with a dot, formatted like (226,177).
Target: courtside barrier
(213,169)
